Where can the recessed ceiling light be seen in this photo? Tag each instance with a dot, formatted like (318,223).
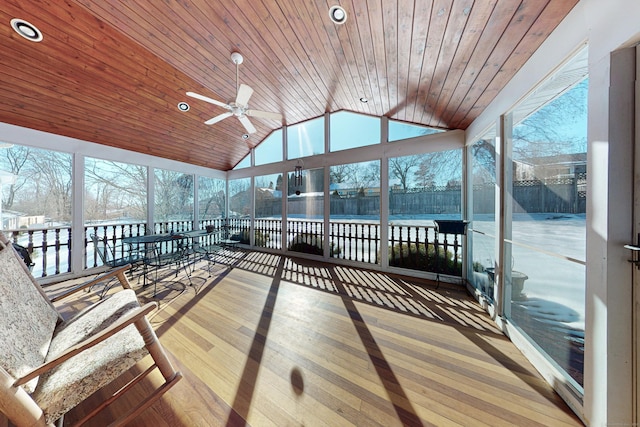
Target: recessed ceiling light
(337,15)
(364,100)
(26,30)
(183,106)
(245,136)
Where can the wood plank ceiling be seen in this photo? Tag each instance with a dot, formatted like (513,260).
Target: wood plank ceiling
(113,71)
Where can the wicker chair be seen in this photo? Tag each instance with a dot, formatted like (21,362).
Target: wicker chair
(49,365)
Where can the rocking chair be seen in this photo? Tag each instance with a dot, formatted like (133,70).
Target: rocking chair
(49,365)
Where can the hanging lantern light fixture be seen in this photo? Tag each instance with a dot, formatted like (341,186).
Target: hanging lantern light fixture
(297,173)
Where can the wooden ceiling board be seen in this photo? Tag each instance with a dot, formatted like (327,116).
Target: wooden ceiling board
(351,57)
(403,51)
(493,30)
(113,71)
(440,12)
(390,22)
(515,30)
(451,41)
(268,24)
(318,54)
(474,28)
(538,32)
(405,109)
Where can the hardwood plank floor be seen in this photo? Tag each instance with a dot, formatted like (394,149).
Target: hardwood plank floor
(273,341)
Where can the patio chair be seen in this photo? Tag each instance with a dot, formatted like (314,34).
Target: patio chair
(167,251)
(207,252)
(109,258)
(49,365)
(108,255)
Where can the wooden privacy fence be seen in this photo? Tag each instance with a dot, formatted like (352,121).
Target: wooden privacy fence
(551,195)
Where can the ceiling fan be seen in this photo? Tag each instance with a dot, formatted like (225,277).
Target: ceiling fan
(239,107)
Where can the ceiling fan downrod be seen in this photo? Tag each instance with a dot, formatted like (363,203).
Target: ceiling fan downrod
(237,59)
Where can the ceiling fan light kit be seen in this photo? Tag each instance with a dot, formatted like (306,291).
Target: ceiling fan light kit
(239,107)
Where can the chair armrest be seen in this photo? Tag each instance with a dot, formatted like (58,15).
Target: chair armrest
(119,272)
(120,324)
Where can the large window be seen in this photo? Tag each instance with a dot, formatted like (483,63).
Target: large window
(115,205)
(305,211)
(355,211)
(36,193)
(239,219)
(483,199)
(173,207)
(545,243)
(424,188)
(211,199)
(268,211)
(239,198)
(305,139)
(270,149)
(115,192)
(351,130)
(399,130)
(36,187)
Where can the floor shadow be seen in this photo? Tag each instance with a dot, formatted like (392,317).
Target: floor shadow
(404,295)
(247,384)
(407,296)
(401,403)
(182,311)
(523,373)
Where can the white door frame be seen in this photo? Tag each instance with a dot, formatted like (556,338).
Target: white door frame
(636,231)
(634,245)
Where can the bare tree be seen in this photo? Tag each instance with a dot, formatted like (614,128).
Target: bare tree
(543,132)
(115,186)
(439,168)
(173,195)
(425,178)
(341,173)
(403,168)
(15,161)
(211,195)
(357,176)
(51,172)
(484,162)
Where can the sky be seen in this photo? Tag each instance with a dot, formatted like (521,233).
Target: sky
(348,130)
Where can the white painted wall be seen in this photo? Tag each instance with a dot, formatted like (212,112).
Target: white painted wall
(606,26)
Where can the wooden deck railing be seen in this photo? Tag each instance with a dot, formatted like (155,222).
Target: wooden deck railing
(50,248)
(417,247)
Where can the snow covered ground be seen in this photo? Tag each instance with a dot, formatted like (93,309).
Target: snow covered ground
(550,250)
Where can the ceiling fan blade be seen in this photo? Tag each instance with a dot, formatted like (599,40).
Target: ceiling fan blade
(209,100)
(264,114)
(247,124)
(244,93)
(216,119)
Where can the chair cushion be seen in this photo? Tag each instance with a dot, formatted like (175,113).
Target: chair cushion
(76,379)
(27,322)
